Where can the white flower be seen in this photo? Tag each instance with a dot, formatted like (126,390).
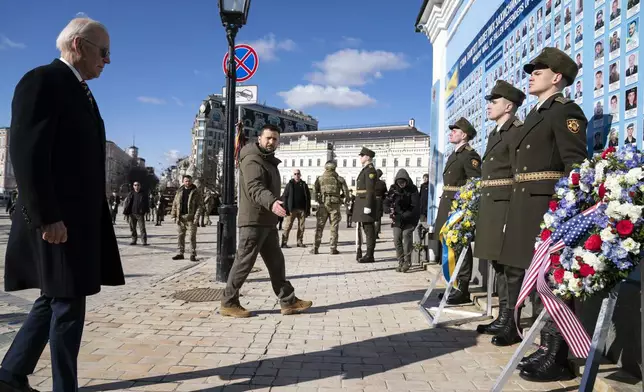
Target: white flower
(613,186)
(630,245)
(592,260)
(633,176)
(548,219)
(599,172)
(578,251)
(641,188)
(573,285)
(631,211)
(613,210)
(607,235)
(568,276)
(584,187)
(562,191)
(575,264)
(570,196)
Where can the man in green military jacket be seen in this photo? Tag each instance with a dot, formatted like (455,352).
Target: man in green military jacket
(365,208)
(464,163)
(496,188)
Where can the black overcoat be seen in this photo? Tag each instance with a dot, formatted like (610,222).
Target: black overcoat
(58,153)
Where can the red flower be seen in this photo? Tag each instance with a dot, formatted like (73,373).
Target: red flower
(545,234)
(593,243)
(602,191)
(552,205)
(586,270)
(574,178)
(554,260)
(558,275)
(624,227)
(607,151)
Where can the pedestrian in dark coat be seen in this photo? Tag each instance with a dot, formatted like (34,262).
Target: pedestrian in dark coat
(403,204)
(62,240)
(496,189)
(366,206)
(464,163)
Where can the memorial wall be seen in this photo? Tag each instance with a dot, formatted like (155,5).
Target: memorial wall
(602,36)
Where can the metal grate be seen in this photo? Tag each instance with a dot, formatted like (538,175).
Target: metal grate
(199,295)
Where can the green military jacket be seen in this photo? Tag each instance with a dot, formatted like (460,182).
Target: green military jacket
(366,195)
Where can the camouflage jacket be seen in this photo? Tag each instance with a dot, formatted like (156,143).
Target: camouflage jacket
(330,188)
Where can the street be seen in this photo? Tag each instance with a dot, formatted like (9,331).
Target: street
(364,332)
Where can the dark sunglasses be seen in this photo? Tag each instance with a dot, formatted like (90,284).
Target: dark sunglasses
(105,52)
(297,174)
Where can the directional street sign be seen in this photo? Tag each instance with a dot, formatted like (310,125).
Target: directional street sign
(247,61)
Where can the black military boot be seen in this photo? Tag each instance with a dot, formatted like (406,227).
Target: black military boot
(314,251)
(133,242)
(405,265)
(536,357)
(461,295)
(554,364)
(301,245)
(495,326)
(368,257)
(399,266)
(334,251)
(284,245)
(508,334)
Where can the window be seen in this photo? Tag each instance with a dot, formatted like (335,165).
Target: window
(318,162)
(292,162)
(310,162)
(308,179)
(354,163)
(353,181)
(384,162)
(419,162)
(407,163)
(210,133)
(395,162)
(344,163)
(283,179)
(286,163)
(209,143)
(301,162)
(418,181)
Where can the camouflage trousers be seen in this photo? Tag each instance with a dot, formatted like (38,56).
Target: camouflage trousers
(184,224)
(324,213)
(300,215)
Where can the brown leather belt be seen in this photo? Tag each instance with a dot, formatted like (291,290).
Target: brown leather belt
(451,188)
(538,176)
(497,182)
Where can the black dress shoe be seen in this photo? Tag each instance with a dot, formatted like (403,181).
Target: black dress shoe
(459,298)
(495,326)
(508,335)
(334,252)
(366,259)
(284,246)
(301,245)
(9,387)
(193,258)
(177,257)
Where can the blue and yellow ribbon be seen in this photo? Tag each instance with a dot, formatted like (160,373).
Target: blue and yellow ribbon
(450,253)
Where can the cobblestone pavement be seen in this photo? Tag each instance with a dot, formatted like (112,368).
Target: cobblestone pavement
(364,333)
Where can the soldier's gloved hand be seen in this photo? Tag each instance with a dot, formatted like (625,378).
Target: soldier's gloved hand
(366,210)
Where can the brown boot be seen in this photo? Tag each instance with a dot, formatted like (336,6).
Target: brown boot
(298,306)
(235,310)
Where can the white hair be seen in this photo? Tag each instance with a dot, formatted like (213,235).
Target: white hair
(78,27)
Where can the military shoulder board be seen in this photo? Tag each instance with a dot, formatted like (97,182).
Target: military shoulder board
(562,100)
(517,123)
(468,148)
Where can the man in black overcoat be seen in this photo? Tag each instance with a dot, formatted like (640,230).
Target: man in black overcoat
(61,241)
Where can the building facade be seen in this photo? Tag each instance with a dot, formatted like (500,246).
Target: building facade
(396,147)
(208,132)
(117,163)
(7,178)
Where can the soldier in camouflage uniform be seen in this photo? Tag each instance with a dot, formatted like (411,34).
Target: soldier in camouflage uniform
(328,188)
(208,204)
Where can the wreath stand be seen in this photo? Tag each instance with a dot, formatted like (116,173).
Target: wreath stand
(468,316)
(597,345)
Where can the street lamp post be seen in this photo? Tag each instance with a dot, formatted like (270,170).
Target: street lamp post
(233,15)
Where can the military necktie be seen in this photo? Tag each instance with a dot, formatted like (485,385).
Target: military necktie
(88,92)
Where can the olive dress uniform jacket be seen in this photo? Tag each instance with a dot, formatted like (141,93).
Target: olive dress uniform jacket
(553,139)
(463,164)
(366,195)
(53,127)
(495,199)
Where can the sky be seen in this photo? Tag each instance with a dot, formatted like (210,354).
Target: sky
(346,63)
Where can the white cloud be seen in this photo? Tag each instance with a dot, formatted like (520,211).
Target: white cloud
(177,101)
(351,67)
(268,46)
(172,156)
(350,42)
(6,43)
(301,97)
(151,100)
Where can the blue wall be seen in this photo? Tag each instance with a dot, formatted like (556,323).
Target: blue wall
(475,19)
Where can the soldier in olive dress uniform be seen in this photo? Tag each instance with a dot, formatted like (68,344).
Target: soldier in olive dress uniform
(496,188)
(365,208)
(464,163)
(552,140)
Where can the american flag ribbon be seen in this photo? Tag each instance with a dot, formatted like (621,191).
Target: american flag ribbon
(566,235)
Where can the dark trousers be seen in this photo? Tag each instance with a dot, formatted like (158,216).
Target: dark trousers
(370,240)
(404,242)
(349,220)
(377,225)
(59,321)
(135,220)
(508,284)
(114,211)
(550,326)
(465,274)
(254,240)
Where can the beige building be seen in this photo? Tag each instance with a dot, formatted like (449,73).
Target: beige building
(396,147)
(117,163)
(7,178)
